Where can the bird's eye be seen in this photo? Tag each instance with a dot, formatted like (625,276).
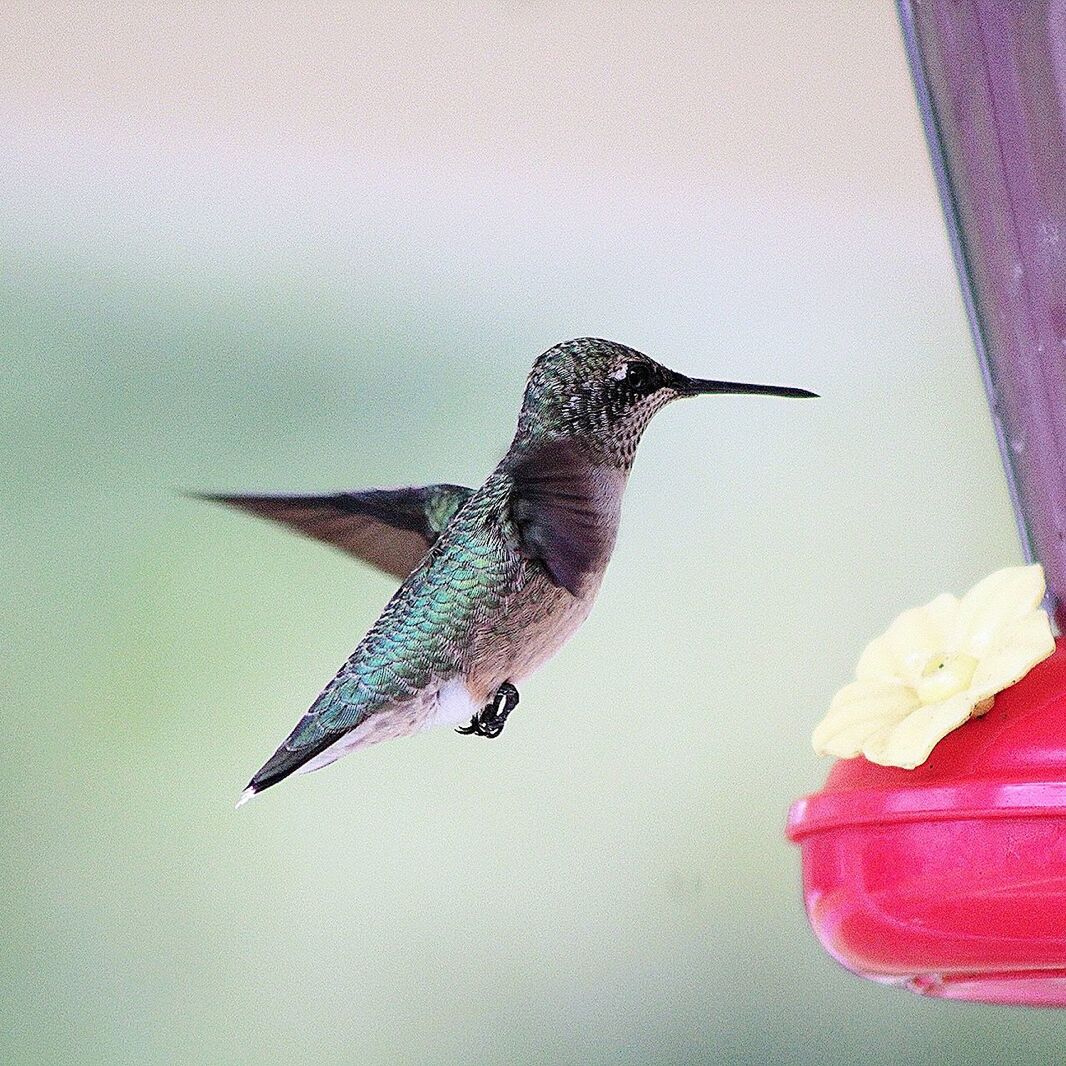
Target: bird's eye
(638,375)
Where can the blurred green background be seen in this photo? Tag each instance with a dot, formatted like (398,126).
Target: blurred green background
(317,246)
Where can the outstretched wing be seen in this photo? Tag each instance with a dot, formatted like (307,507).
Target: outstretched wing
(416,650)
(391,529)
(561,512)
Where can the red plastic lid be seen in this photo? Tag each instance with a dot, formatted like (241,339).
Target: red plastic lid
(1011,762)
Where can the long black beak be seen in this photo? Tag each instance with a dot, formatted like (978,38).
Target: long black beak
(687,386)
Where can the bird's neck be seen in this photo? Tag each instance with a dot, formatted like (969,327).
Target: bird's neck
(602,454)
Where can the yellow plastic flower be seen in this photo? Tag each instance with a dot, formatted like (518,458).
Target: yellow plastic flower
(936,667)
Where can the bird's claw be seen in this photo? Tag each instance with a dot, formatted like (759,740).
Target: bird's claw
(489,721)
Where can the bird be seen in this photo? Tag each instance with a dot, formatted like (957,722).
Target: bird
(494,580)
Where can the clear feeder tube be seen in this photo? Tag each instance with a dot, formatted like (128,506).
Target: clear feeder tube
(991,83)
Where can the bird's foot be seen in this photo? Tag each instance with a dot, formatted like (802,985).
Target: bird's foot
(490,721)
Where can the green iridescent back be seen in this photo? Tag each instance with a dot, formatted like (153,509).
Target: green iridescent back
(422,633)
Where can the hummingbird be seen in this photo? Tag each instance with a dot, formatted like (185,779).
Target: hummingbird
(495,580)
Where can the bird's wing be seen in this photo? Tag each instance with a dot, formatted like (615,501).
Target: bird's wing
(420,640)
(556,511)
(391,529)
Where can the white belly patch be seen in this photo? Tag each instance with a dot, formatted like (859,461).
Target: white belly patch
(453,705)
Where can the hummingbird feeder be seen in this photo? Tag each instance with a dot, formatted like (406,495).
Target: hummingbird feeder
(949,879)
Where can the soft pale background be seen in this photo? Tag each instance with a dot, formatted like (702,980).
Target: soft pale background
(301,246)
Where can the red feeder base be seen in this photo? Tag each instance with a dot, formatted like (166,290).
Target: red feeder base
(950,879)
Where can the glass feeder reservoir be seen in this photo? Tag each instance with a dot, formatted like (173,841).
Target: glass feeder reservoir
(950,879)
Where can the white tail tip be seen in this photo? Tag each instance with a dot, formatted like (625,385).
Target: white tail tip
(246,795)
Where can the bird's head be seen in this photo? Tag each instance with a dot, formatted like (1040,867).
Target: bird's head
(605,394)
